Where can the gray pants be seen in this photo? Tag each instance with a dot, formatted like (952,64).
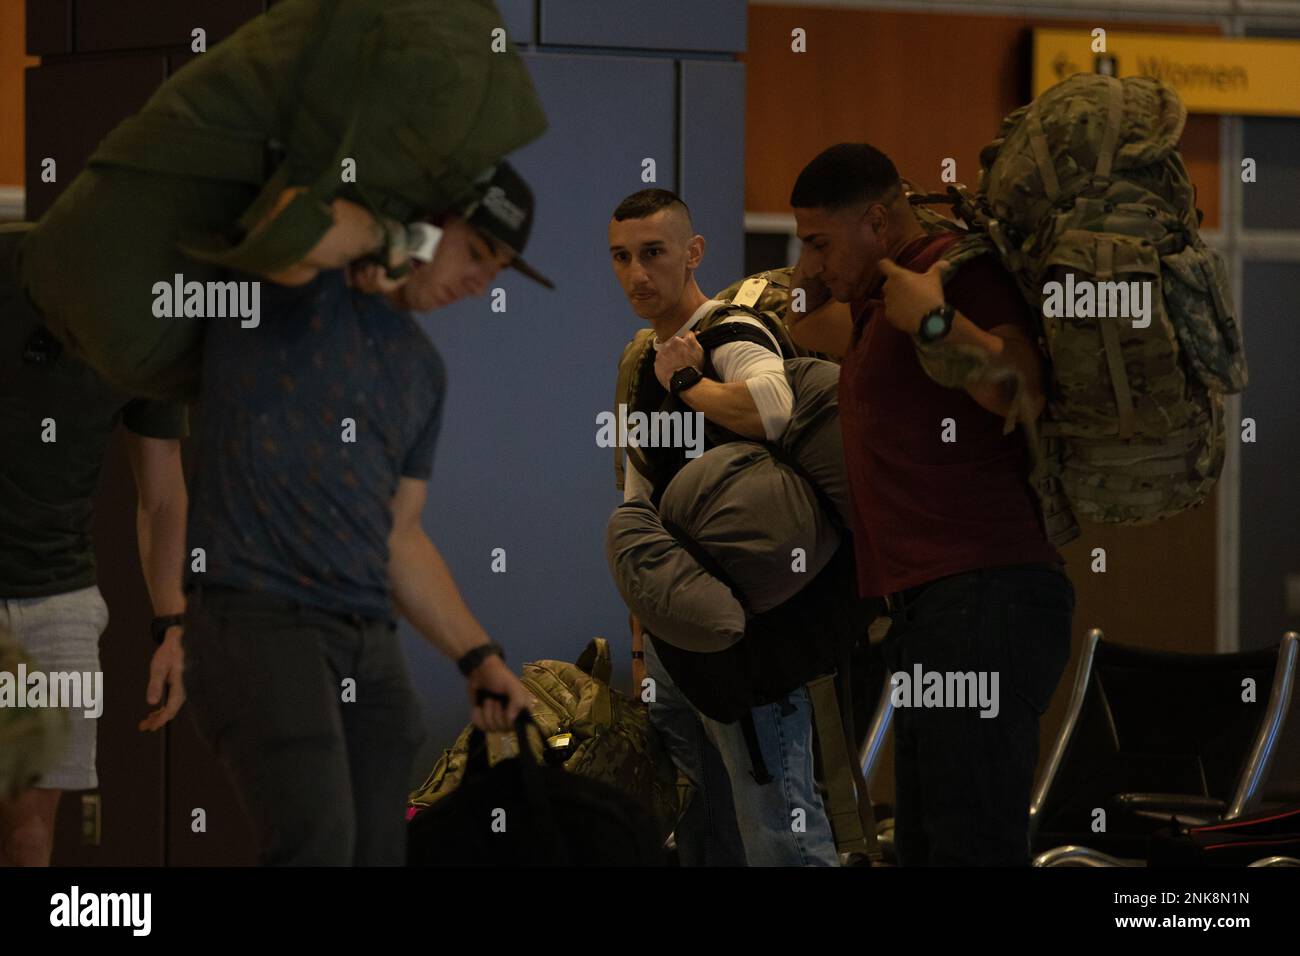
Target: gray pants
(313,716)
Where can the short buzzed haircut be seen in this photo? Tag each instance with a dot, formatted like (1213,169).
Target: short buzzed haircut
(647,202)
(846,174)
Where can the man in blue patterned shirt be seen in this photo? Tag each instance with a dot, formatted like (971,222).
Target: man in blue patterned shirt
(315,448)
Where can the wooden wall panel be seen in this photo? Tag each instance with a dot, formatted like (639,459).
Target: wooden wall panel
(13,61)
(49,25)
(129,762)
(71,106)
(921,87)
(130,24)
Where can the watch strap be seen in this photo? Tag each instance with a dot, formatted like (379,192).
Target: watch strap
(678,384)
(159,626)
(473,658)
(946,312)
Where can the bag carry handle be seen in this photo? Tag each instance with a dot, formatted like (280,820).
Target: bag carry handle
(595,660)
(530,774)
(477,760)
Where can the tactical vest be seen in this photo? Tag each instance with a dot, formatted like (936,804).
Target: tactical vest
(765,296)
(639,390)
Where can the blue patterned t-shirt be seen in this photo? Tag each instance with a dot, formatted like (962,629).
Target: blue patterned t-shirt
(306,424)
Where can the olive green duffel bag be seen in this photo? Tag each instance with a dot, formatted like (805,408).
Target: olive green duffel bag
(407,97)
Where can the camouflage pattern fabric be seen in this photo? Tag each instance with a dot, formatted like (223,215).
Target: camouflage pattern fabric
(772,304)
(591,730)
(1086,182)
(31,738)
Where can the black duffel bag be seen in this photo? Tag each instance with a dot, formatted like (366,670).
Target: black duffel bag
(522,813)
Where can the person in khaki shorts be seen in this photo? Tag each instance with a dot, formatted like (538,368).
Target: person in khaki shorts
(56,417)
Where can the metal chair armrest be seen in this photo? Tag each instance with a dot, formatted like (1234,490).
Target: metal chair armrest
(1080,856)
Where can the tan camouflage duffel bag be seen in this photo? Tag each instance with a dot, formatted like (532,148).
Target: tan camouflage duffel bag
(590,729)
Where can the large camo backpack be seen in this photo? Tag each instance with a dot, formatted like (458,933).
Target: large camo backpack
(764,295)
(590,729)
(1087,181)
(409,90)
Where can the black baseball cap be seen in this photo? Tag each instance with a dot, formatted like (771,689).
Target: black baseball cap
(503,212)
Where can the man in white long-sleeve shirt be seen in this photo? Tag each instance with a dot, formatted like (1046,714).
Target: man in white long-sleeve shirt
(741,386)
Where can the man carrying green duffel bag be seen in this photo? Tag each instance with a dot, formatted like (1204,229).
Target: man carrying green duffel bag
(302,142)
(589,728)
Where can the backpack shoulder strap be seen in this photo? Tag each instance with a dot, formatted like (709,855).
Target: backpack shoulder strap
(852,818)
(713,331)
(629,368)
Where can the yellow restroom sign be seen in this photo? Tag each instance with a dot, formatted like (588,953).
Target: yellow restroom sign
(1211,74)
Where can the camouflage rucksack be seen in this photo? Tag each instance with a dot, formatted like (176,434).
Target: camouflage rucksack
(765,295)
(1085,187)
(31,738)
(590,729)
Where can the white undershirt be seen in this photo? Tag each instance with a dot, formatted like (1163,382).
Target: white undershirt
(762,371)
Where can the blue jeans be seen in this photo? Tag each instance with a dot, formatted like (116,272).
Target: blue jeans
(733,820)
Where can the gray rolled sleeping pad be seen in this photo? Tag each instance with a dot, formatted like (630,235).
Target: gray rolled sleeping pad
(749,512)
(747,507)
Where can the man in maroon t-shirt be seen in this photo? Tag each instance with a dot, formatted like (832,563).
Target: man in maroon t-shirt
(946,526)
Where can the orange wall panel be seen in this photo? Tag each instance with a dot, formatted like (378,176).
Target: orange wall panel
(921,87)
(13,60)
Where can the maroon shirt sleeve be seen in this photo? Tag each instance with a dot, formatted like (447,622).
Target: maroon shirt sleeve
(988,296)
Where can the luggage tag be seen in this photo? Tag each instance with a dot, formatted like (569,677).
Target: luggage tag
(879,628)
(749,292)
(422,240)
(501,746)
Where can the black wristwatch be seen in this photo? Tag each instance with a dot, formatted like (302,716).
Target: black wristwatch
(158,627)
(936,323)
(685,377)
(472,659)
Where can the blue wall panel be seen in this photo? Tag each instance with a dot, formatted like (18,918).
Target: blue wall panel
(517,465)
(712,104)
(1270,507)
(1273,200)
(520,18)
(661,25)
